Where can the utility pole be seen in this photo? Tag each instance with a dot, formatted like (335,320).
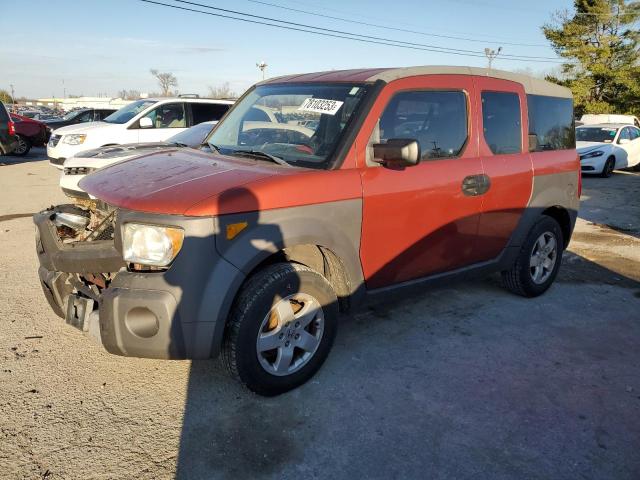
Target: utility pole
(13,98)
(262,66)
(492,54)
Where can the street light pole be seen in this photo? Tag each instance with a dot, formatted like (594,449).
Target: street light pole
(491,55)
(13,98)
(262,66)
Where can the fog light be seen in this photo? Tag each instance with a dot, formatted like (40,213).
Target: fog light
(142,322)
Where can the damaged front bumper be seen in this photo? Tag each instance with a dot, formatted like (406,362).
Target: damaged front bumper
(178,313)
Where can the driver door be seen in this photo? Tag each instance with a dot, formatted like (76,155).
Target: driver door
(421,220)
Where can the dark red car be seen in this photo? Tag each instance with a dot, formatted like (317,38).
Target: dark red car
(30,133)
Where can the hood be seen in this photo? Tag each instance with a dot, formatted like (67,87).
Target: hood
(106,156)
(586,147)
(171,182)
(125,151)
(83,127)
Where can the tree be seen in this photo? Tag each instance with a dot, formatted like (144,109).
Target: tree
(166,80)
(5,97)
(601,44)
(222,91)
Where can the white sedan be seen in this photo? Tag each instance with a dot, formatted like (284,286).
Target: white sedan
(607,146)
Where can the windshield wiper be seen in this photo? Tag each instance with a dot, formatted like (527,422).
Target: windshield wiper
(261,154)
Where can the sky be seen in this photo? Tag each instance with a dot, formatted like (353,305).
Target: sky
(92,47)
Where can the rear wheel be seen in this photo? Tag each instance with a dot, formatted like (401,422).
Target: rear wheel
(281,328)
(23,147)
(609,165)
(538,262)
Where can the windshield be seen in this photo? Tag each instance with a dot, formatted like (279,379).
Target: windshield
(194,136)
(71,115)
(298,123)
(596,134)
(128,112)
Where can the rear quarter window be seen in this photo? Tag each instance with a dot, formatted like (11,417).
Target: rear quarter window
(551,123)
(4,116)
(501,122)
(207,112)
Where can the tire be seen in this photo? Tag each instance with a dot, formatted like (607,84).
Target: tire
(524,278)
(608,168)
(24,145)
(255,317)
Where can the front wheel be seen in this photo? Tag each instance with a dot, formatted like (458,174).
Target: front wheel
(281,328)
(538,262)
(23,147)
(608,168)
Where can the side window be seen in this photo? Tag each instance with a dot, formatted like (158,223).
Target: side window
(501,122)
(635,133)
(170,115)
(207,112)
(551,123)
(86,117)
(625,134)
(436,119)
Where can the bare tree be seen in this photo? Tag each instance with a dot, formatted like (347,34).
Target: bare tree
(166,80)
(222,91)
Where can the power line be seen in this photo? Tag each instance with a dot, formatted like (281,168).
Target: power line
(426,46)
(261,20)
(417,32)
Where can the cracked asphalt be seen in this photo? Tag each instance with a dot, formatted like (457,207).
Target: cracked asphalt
(461,381)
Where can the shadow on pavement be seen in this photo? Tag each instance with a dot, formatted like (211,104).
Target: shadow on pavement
(36,154)
(452,382)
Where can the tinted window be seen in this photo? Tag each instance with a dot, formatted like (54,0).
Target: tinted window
(207,112)
(635,133)
(550,123)
(3,113)
(85,117)
(437,120)
(501,122)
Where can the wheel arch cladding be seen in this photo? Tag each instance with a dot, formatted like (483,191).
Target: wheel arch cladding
(561,215)
(325,237)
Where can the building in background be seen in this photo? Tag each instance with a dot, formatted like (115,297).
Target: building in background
(67,104)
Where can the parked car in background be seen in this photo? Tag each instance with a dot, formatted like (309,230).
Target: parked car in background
(81,116)
(142,121)
(8,139)
(606,147)
(30,133)
(250,251)
(599,118)
(77,167)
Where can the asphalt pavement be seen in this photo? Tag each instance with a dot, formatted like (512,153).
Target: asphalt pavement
(462,381)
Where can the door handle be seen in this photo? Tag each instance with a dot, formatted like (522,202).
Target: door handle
(475,185)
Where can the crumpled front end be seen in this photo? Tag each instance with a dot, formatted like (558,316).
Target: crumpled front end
(173,313)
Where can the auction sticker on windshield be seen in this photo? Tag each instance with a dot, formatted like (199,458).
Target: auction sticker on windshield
(321,105)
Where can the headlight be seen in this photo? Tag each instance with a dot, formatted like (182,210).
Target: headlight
(74,139)
(597,153)
(150,244)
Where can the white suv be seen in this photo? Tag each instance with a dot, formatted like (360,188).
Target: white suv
(146,120)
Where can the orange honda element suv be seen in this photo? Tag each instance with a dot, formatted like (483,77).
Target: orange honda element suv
(312,193)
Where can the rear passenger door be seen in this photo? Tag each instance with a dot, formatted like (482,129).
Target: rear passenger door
(419,221)
(206,112)
(505,162)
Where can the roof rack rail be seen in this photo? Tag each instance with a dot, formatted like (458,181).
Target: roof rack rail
(189,95)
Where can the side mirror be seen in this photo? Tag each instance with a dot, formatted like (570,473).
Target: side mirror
(623,141)
(397,152)
(145,122)
(533,142)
